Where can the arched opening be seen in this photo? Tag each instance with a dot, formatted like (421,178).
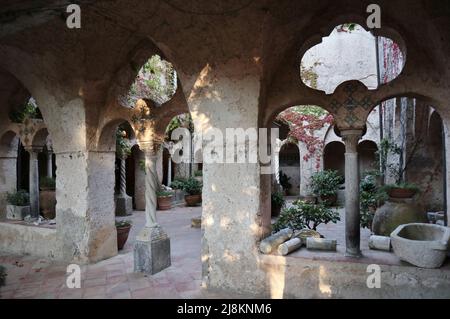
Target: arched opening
(333,157)
(290,168)
(350,53)
(367,157)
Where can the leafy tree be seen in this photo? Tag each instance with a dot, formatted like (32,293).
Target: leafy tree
(305,215)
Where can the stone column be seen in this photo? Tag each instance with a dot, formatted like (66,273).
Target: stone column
(152,247)
(124,203)
(139,180)
(34,181)
(49,164)
(352,218)
(170,148)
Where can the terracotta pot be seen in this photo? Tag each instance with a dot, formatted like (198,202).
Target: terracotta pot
(401,193)
(122,236)
(193,200)
(47,203)
(165,203)
(329,199)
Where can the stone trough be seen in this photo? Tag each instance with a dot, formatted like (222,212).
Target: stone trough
(423,245)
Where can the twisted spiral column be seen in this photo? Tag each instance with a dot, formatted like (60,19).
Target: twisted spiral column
(123,177)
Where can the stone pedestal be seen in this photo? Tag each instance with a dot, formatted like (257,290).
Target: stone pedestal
(124,205)
(152,250)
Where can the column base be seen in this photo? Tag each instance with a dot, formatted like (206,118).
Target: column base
(353,253)
(124,205)
(152,250)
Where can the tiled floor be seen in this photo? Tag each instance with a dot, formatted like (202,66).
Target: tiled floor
(114,278)
(29,277)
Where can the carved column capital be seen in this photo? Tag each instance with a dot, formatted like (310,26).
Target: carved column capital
(351,139)
(150,148)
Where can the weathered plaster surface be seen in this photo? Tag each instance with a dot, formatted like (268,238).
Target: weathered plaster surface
(29,240)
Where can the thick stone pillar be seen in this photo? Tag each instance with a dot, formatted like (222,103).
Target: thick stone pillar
(152,247)
(124,203)
(34,181)
(85,205)
(8,180)
(227,96)
(352,218)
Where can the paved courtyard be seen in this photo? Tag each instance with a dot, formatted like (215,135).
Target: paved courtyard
(29,277)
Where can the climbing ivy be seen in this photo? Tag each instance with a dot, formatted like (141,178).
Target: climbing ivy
(156,80)
(29,110)
(182,120)
(123,145)
(304,122)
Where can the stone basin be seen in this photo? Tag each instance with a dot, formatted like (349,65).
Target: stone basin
(423,245)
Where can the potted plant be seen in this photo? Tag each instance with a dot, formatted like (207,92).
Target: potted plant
(325,185)
(177,187)
(123,230)
(47,197)
(164,198)
(18,205)
(278,203)
(193,189)
(400,188)
(284,182)
(371,196)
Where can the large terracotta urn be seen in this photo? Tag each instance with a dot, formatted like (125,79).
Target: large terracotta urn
(47,202)
(396,212)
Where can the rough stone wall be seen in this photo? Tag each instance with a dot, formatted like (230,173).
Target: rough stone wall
(319,279)
(27,240)
(231,192)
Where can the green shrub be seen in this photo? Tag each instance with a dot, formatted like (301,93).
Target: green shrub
(178,183)
(47,182)
(278,200)
(164,193)
(408,186)
(192,186)
(198,173)
(326,183)
(304,215)
(19,198)
(371,195)
(123,223)
(2,275)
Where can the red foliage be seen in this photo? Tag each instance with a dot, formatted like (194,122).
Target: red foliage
(302,128)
